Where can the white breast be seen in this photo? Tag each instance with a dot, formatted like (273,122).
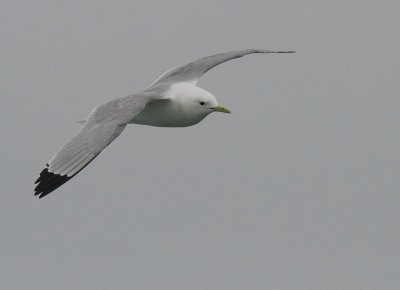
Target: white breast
(179,108)
(163,113)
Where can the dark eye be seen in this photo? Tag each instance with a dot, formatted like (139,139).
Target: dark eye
(202,103)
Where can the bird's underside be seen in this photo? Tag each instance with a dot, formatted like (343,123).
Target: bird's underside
(106,122)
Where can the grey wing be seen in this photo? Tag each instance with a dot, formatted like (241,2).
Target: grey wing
(104,124)
(193,71)
(75,155)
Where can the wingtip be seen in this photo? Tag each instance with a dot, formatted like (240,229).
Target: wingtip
(48,182)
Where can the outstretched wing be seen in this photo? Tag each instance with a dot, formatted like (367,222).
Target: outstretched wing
(76,155)
(104,124)
(193,71)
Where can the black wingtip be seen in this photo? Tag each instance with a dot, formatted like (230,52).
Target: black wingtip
(48,182)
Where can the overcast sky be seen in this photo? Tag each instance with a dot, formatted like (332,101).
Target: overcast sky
(297,189)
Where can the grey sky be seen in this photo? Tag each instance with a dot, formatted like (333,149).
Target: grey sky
(297,189)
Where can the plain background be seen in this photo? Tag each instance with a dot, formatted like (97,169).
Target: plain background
(297,189)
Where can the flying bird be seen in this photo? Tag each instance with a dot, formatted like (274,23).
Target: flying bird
(172,100)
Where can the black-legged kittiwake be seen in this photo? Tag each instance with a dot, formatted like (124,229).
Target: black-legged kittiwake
(173,100)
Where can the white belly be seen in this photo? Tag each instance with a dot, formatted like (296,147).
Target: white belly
(165,113)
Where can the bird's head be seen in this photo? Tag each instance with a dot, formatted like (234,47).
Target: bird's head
(198,102)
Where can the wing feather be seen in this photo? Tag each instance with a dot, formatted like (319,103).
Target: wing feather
(76,155)
(104,124)
(193,71)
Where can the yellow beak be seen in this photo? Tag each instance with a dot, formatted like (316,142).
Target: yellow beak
(221,109)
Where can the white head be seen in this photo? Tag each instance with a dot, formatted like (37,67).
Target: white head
(195,103)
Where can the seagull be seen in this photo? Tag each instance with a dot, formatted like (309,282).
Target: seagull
(172,100)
